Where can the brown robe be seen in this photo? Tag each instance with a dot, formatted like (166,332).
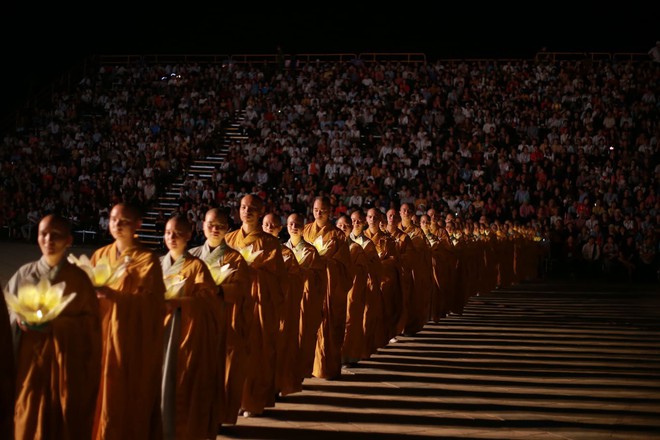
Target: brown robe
(314,281)
(265,273)
(422,285)
(132,331)
(195,351)
(58,368)
(353,346)
(7,374)
(327,361)
(239,310)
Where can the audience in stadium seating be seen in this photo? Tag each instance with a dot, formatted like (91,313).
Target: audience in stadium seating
(567,148)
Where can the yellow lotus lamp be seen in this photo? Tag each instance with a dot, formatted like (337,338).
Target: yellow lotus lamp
(173,286)
(320,246)
(37,304)
(220,273)
(360,240)
(101,274)
(249,255)
(300,255)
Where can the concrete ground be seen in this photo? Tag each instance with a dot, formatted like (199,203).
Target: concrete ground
(547,360)
(538,361)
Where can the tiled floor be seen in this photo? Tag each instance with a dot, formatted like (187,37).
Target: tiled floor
(537,361)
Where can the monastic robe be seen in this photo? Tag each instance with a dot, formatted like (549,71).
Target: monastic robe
(132,357)
(7,374)
(390,284)
(192,351)
(266,272)
(446,275)
(423,285)
(58,368)
(337,256)
(353,345)
(314,279)
(239,314)
(436,305)
(372,319)
(407,257)
(288,348)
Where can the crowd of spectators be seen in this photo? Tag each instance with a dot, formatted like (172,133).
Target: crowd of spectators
(568,148)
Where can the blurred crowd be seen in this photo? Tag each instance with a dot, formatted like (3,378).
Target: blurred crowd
(566,149)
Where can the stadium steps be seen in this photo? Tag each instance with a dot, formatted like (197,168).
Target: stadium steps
(201,169)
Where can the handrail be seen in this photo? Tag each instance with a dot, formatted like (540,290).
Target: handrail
(594,56)
(366,57)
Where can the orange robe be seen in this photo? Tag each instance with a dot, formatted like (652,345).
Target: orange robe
(447,276)
(288,348)
(463,275)
(239,310)
(372,319)
(132,331)
(390,284)
(58,369)
(314,281)
(353,345)
(7,374)
(407,257)
(423,285)
(265,273)
(327,361)
(191,399)
(437,307)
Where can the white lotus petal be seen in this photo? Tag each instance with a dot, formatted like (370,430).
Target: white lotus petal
(173,285)
(38,303)
(249,255)
(320,246)
(220,273)
(101,274)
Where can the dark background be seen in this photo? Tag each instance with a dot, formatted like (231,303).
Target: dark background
(40,42)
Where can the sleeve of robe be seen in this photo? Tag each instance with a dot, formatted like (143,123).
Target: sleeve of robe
(132,331)
(58,369)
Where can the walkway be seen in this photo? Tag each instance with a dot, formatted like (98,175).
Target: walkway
(538,361)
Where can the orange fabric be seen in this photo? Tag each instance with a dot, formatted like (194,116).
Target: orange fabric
(266,290)
(353,346)
(422,284)
(239,309)
(407,259)
(327,361)
(288,352)
(436,305)
(7,374)
(58,368)
(372,321)
(446,274)
(199,354)
(314,281)
(390,284)
(132,330)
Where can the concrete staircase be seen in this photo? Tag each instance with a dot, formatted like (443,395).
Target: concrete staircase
(201,169)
